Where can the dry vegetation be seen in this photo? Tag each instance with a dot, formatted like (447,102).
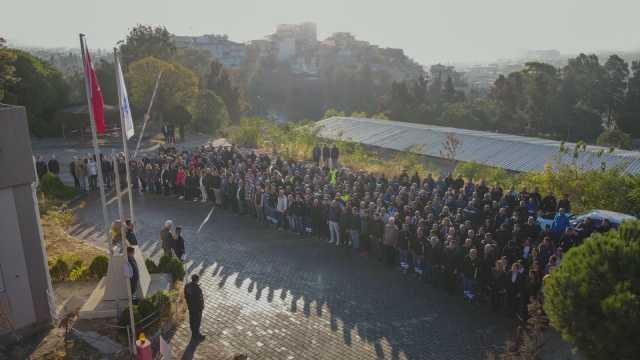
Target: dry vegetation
(57,244)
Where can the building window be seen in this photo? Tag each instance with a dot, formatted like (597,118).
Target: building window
(2,288)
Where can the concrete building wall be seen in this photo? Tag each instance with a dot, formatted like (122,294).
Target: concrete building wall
(286,48)
(23,260)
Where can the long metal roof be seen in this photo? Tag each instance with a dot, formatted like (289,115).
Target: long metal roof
(512,152)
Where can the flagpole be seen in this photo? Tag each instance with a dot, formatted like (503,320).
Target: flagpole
(147,116)
(96,150)
(124,137)
(120,207)
(119,193)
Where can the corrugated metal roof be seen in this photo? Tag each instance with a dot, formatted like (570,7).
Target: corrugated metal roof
(512,152)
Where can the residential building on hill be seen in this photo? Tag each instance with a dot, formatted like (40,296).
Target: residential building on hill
(228,53)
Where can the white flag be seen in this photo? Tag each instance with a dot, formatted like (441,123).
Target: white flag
(124,104)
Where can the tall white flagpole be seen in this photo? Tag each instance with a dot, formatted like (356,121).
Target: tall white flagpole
(96,150)
(119,193)
(147,116)
(124,135)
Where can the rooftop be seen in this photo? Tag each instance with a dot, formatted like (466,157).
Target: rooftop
(512,152)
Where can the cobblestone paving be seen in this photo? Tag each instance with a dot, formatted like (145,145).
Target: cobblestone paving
(276,295)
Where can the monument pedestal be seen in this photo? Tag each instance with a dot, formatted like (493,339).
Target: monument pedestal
(102,302)
(122,282)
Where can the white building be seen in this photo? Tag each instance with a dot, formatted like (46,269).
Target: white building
(227,52)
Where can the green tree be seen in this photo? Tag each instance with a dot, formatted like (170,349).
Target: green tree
(361,114)
(628,122)
(616,72)
(42,90)
(179,116)
(459,116)
(380,116)
(585,302)
(177,85)
(536,67)
(78,90)
(435,90)
(632,98)
(106,73)
(145,41)
(583,81)
(449,93)
(196,60)
(7,69)
(333,113)
(538,98)
(615,138)
(209,113)
(219,81)
(507,95)
(585,123)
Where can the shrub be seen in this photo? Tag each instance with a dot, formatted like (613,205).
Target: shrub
(146,307)
(152,268)
(164,263)
(162,300)
(176,270)
(124,319)
(50,183)
(58,269)
(79,269)
(53,188)
(99,266)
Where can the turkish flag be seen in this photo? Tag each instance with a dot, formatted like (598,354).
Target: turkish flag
(96,95)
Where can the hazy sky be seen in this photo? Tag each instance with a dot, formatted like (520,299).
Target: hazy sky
(428,31)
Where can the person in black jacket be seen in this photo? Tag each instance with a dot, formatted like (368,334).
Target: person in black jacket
(195,303)
(130,235)
(316,154)
(72,171)
(335,154)
(344,225)
(487,262)
(515,287)
(533,289)
(497,283)
(41,168)
(326,154)
(53,165)
(377,232)
(178,243)
(233,194)
(354,226)
(450,267)
(365,231)
(404,238)
(548,203)
(133,281)
(470,269)
(434,260)
(417,245)
(106,168)
(512,252)
(564,203)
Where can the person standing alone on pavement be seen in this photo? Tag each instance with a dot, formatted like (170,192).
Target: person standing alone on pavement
(178,243)
(195,303)
(167,237)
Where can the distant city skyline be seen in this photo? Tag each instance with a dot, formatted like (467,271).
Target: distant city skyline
(453,32)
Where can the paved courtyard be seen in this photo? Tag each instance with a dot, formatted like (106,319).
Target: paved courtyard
(275,295)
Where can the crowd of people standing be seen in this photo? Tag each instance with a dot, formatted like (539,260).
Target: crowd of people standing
(447,232)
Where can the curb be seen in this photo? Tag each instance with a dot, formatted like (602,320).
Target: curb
(75,199)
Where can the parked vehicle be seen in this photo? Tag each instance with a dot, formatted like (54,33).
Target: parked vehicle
(597,216)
